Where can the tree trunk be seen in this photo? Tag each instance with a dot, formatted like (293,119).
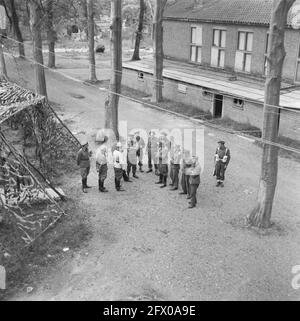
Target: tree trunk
(91,40)
(158,50)
(112,102)
(3,70)
(16,27)
(84,16)
(51,34)
(261,215)
(35,24)
(139,32)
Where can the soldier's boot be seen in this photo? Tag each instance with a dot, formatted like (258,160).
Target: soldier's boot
(104,189)
(85,183)
(160,180)
(134,173)
(164,182)
(101,187)
(83,186)
(141,167)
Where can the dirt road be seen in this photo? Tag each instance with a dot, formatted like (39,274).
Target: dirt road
(147,245)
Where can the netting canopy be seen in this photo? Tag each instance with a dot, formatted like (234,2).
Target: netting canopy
(35,146)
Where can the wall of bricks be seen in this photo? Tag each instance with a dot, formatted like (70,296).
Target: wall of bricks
(177,45)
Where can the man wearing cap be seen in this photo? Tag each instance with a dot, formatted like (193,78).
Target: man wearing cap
(222,158)
(101,164)
(175,166)
(83,161)
(194,180)
(118,169)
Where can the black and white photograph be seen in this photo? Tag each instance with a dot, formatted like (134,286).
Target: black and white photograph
(149,152)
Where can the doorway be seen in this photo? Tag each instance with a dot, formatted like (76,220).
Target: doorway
(218,106)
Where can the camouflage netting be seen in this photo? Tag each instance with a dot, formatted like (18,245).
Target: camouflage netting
(35,146)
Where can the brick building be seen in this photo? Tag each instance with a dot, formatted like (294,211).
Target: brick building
(215,54)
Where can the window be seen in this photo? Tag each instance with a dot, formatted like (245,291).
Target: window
(266,52)
(218,48)
(140,75)
(196,44)
(238,103)
(244,51)
(298,68)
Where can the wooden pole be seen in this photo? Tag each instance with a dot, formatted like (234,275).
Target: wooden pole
(91,40)
(261,215)
(112,102)
(158,54)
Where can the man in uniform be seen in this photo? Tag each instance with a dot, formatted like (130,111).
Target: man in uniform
(194,180)
(140,150)
(175,167)
(222,158)
(83,160)
(132,157)
(162,157)
(185,164)
(118,169)
(101,164)
(152,147)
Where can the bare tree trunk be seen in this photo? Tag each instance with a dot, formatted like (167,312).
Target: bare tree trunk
(261,215)
(112,102)
(139,32)
(3,70)
(35,24)
(16,27)
(91,40)
(84,16)
(158,50)
(51,34)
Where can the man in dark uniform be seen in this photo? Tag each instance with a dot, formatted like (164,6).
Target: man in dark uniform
(140,150)
(83,160)
(222,158)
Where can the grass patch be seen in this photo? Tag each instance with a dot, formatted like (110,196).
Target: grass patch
(167,104)
(235,126)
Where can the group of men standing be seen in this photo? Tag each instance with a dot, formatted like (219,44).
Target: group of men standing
(164,155)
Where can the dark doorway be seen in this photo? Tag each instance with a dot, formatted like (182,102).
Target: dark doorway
(218,106)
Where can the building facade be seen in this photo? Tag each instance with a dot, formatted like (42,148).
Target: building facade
(216,61)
